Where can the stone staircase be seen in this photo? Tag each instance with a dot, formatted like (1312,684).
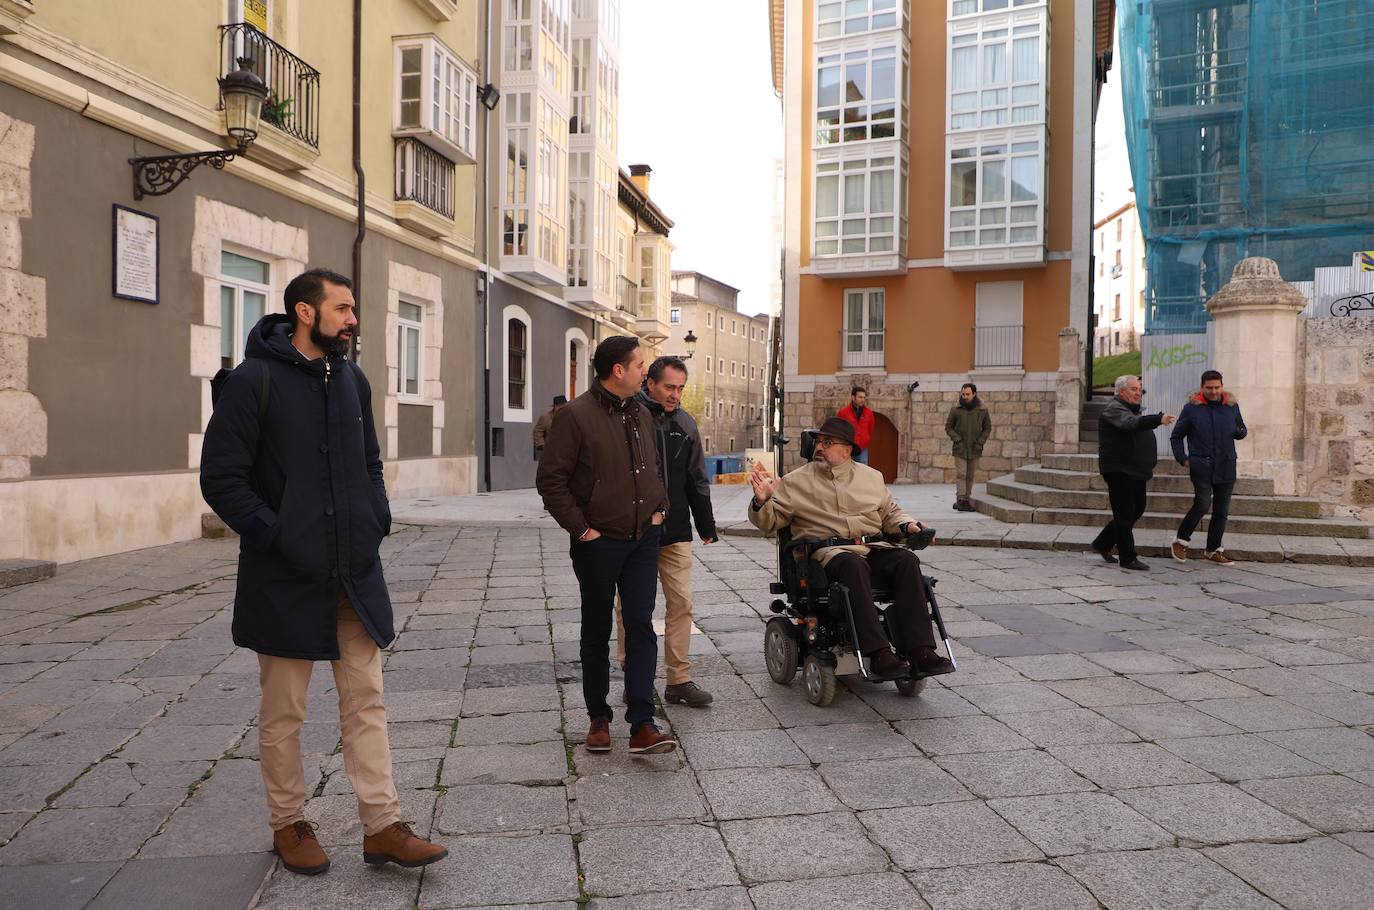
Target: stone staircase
(1067,490)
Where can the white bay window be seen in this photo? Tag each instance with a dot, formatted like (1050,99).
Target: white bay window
(436,98)
(851,17)
(856,206)
(857,94)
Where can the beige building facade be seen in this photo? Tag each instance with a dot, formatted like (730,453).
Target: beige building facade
(727,392)
(1119,282)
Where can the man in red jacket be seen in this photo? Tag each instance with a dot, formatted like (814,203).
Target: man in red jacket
(858,413)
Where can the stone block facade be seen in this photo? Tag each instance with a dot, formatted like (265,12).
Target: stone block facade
(1336,410)
(1022,426)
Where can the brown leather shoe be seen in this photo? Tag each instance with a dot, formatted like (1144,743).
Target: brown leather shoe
(398,844)
(1179,549)
(1220,558)
(886,665)
(599,735)
(688,693)
(299,849)
(929,662)
(648,740)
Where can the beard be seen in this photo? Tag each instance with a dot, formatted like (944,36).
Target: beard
(335,345)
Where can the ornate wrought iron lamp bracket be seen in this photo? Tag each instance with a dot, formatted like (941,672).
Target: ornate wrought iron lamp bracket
(158,175)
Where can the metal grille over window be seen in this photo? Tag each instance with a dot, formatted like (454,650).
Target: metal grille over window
(864,333)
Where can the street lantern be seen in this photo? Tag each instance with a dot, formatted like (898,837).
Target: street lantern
(242,93)
(691,342)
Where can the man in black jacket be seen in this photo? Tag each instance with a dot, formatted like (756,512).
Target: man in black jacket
(1126,457)
(689,499)
(1209,425)
(299,477)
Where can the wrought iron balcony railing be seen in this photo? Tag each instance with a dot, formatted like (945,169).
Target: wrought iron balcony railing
(424,176)
(293,100)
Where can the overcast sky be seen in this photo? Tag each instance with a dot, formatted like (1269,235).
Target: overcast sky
(697,105)
(1113,178)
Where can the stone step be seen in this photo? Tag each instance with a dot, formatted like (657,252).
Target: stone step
(15,572)
(1174,502)
(1162,483)
(1087,462)
(1009,510)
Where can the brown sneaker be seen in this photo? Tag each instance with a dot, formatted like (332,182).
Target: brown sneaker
(398,844)
(1220,558)
(648,739)
(599,735)
(688,693)
(299,849)
(1179,549)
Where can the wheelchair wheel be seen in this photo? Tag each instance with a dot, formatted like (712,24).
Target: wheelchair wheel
(819,679)
(780,652)
(910,687)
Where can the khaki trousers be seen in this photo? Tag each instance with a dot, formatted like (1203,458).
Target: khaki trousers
(675,576)
(362,719)
(963,476)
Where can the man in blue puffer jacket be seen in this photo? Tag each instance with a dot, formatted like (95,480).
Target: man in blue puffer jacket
(1209,425)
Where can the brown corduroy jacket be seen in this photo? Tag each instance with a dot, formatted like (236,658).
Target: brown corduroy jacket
(600,467)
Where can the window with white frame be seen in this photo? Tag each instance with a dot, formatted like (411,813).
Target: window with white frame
(244,286)
(857,94)
(551,233)
(515,208)
(998,324)
(970,7)
(436,97)
(995,194)
(708,320)
(708,364)
(581,122)
(516,345)
(409,349)
(733,363)
(856,206)
(852,17)
(864,327)
(734,327)
(997,73)
(518,40)
(675,316)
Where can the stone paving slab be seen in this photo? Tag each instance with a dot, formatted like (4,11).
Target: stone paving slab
(1112,722)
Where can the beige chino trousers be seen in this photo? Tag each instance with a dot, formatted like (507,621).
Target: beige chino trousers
(362,720)
(963,476)
(675,577)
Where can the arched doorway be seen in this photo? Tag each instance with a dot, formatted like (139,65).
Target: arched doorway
(882,448)
(577,374)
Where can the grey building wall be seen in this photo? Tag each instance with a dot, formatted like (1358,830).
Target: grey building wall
(515,468)
(114,375)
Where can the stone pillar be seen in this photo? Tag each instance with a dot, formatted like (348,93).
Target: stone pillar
(23,309)
(1256,349)
(1068,398)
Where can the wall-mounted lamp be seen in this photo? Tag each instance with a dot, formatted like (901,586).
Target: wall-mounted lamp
(489,95)
(242,93)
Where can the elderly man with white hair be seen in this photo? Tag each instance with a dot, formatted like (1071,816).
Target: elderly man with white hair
(1126,458)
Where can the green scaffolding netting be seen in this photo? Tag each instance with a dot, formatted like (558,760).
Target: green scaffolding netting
(1250,129)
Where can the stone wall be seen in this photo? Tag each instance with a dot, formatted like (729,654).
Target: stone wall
(1336,412)
(1022,426)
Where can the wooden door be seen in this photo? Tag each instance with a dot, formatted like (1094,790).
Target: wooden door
(882,448)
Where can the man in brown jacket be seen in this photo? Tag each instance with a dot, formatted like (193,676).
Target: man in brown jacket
(599,477)
(835,497)
(541,426)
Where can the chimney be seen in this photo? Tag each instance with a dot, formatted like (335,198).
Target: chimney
(639,176)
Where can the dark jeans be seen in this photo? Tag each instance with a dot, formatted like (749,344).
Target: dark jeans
(604,566)
(1127,496)
(1206,495)
(908,616)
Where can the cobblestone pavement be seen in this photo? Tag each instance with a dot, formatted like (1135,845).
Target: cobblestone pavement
(1191,737)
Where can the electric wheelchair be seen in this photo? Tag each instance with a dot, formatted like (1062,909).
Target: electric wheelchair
(814,629)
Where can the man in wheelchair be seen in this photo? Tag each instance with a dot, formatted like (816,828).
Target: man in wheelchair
(841,502)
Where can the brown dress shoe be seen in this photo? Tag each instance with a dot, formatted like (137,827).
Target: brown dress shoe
(648,739)
(929,662)
(398,844)
(886,665)
(299,850)
(688,693)
(599,735)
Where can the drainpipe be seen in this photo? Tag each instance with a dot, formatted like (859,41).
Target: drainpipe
(358,166)
(486,271)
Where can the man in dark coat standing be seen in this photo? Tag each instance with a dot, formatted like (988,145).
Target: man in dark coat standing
(1204,442)
(968,426)
(299,477)
(689,499)
(1126,458)
(600,479)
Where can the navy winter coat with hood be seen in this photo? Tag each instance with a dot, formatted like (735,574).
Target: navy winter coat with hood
(303,488)
(1211,430)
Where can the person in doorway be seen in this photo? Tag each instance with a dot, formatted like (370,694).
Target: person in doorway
(541,426)
(968,427)
(1204,442)
(689,501)
(299,477)
(600,479)
(1126,458)
(860,415)
(805,500)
